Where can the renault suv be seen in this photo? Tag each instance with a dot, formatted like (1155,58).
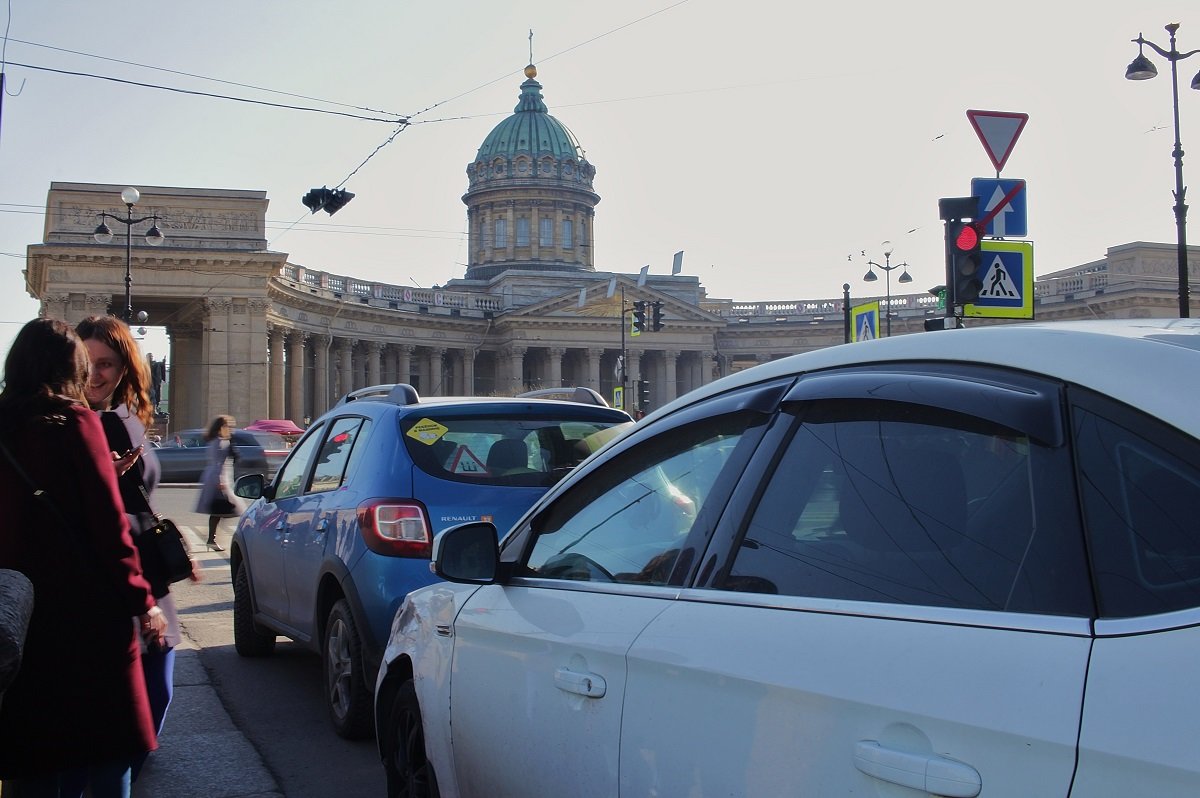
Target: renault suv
(331,546)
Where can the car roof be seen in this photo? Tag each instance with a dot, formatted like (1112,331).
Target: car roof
(1151,364)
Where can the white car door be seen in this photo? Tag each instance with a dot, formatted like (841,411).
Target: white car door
(539,673)
(904,604)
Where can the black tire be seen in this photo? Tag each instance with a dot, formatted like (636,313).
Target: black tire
(346,690)
(410,774)
(249,638)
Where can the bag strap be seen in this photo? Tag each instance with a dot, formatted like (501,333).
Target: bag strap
(116,433)
(38,493)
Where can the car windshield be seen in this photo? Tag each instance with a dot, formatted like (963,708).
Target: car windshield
(524,450)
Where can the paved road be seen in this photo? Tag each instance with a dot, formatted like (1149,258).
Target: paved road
(245,727)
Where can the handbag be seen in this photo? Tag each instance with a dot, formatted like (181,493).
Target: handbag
(174,561)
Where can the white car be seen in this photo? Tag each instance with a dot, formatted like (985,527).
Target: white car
(958,563)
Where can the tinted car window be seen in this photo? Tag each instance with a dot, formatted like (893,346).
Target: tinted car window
(290,481)
(330,470)
(897,503)
(1141,497)
(628,522)
(517,450)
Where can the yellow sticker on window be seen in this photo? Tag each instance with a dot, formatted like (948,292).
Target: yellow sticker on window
(427,431)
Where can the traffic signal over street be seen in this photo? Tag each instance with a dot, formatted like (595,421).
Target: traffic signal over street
(656,322)
(639,318)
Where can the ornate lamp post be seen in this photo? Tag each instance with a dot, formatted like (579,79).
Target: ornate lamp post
(887,268)
(1143,69)
(154,238)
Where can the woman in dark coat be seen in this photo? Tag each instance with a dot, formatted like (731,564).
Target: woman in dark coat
(77,713)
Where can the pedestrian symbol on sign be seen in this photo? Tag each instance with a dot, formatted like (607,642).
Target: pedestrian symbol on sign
(997,283)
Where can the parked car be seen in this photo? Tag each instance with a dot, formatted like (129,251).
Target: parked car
(275,449)
(183,456)
(329,549)
(963,562)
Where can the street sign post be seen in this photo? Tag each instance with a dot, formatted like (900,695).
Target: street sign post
(1008,199)
(998,130)
(1007,283)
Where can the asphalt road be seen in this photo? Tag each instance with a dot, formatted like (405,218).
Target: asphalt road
(275,702)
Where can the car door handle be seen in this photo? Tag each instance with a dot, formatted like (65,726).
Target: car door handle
(591,685)
(322,526)
(927,772)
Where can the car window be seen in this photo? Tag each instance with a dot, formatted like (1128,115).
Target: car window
(290,481)
(526,450)
(331,467)
(897,503)
(1141,491)
(629,520)
(271,441)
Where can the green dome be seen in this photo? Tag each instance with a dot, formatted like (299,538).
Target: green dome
(530,129)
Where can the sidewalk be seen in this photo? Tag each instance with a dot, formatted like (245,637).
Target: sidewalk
(200,750)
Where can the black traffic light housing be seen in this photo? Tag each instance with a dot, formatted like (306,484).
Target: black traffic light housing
(964,254)
(656,322)
(327,199)
(639,317)
(643,394)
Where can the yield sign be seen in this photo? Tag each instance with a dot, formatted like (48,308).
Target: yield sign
(998,130)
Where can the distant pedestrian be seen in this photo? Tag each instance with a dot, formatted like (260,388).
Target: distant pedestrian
(216,498)
(77,713)
(119,391)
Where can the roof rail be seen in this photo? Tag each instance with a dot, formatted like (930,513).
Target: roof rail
(578,394)
(399,394)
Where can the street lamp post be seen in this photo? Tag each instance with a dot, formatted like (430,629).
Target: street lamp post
(154,238)
(1143,69)
(887,268)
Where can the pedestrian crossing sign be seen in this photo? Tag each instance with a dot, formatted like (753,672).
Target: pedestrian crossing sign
(1007,283)
(864,321)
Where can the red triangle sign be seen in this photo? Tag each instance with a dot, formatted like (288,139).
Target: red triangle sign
(998,130)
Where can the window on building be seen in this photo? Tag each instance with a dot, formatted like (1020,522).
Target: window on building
(501,230)
(545,232)
(568,238)
(522,231)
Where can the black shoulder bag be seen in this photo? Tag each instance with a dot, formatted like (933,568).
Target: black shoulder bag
(165,555)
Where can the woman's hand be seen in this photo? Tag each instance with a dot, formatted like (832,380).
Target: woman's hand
(154,623)
(124,462)
(196,575)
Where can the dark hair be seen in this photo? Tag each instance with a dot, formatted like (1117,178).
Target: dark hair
(133,390)
(46,371)
(214,426)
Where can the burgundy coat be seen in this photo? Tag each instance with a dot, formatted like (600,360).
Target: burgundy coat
(80,696)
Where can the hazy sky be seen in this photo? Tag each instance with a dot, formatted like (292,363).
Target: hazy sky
(768,140)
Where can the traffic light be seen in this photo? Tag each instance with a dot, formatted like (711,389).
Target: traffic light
(639,318)
(314,200)
(337,200)
(329,200)
(656,322)
(643,394)
(964,260)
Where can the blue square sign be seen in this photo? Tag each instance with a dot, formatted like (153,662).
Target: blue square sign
(1011,220)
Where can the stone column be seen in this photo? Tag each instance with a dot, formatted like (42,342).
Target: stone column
(321,367)
(468,371)
(183,379)
(214,396)
(345,366)
(670,388)
(554,358)
(275,397)
(96,305)
(516,372)
(296,363)
(57,306)
(374,354)
(404,363)
(592,375)
(707,365)
(436,355)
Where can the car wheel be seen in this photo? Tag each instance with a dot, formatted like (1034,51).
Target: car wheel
(249,638)
(410,774)
(345,680)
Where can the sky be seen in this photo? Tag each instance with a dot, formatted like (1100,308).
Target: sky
(779,145)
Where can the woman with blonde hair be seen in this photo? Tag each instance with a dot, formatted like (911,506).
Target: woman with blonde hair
(119,390)
(77,714)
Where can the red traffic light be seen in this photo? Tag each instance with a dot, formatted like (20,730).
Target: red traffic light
(968,238)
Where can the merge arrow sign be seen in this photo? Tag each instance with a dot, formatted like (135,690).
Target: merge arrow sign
(998,131)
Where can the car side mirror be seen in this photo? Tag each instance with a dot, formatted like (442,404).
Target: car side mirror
(252,486)
(467,553)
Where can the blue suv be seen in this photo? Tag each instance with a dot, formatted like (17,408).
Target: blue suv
(331,546)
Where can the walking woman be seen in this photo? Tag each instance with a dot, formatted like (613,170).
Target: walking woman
(77,714)
(216,495)
(119,391)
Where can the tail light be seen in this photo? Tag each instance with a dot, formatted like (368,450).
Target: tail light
(395,528)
